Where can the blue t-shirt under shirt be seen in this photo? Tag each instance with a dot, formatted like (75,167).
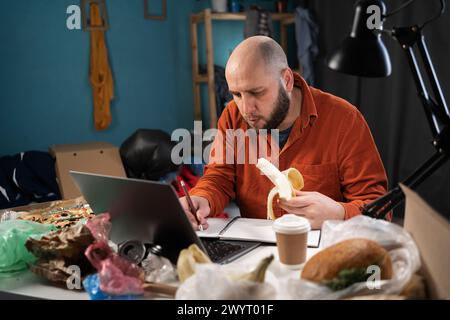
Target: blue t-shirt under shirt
(283,136)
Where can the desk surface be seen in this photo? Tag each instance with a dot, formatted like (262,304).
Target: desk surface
(27,284)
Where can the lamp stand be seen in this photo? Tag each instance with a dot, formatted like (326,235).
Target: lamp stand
(437,114)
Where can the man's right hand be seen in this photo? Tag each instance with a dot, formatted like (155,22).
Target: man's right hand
(203,210)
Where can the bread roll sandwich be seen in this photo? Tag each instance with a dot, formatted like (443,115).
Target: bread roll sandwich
(346,263)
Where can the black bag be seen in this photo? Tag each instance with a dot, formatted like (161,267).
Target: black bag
(146,154)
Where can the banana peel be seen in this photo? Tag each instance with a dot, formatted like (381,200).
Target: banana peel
(189,257)
(257,275)
(187,260)
(286,183)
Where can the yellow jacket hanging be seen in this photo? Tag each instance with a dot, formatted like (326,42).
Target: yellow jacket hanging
(100,73)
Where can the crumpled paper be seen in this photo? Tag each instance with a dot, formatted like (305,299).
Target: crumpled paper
(60,250)
(67,243)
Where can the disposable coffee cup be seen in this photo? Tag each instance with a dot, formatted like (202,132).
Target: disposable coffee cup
(292,239)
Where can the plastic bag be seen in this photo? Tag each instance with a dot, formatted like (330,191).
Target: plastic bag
(13,235)
(117,275)
(158,269)
(213,281)
(92,286)
(396,240)
(100,227)
(9,215)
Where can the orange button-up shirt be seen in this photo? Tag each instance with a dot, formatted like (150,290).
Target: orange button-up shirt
(330,144)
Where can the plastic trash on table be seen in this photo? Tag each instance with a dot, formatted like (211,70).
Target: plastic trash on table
(10,215)
(227,282)
(117,275)
(13,234)
(158,269)
(401,247)
(92,286)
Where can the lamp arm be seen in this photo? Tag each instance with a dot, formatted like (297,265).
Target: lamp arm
(437,114)
(382,206)
(442,108)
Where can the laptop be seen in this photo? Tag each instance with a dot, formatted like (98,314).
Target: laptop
(149,212)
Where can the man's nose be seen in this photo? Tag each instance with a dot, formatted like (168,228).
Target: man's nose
(248,104)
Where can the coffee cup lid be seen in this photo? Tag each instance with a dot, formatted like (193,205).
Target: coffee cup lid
(291,223)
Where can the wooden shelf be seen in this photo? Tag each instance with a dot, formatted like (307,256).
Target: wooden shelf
(201,78)
(207,17)
(199,17)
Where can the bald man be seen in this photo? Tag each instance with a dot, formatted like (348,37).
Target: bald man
(323,136)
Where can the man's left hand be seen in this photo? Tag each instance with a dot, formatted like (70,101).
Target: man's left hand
(314,206)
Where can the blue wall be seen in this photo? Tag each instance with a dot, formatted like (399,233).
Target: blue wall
(45,96)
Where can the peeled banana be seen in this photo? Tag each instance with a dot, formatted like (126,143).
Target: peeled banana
(187,260)
(286,182)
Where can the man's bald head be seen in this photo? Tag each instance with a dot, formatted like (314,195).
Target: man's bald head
(257,52)
(261,82)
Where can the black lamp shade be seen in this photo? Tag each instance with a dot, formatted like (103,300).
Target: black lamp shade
(363,53)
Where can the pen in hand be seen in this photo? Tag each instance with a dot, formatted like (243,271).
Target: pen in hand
(191,205)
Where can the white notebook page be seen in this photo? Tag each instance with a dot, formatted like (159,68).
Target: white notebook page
(248,229)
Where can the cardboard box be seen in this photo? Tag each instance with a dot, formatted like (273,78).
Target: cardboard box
(431,231)
(92,157)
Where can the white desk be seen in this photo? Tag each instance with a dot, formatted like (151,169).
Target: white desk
(30,285)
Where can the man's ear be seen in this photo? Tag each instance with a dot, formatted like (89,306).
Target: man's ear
(288,79)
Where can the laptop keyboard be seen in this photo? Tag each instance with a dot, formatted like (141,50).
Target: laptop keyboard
(218,249)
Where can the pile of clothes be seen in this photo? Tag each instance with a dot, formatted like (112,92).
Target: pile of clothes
(27,177)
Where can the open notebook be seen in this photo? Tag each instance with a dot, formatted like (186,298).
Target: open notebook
(248,229)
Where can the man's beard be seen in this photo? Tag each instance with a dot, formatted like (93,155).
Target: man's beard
(280,111)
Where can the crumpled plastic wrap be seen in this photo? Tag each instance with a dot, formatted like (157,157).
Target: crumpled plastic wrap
(117,275)
(59,250)
(396,240)
(158,269)
(13,234)
(214,281)
(92,286)
(10,215)
(100,227)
